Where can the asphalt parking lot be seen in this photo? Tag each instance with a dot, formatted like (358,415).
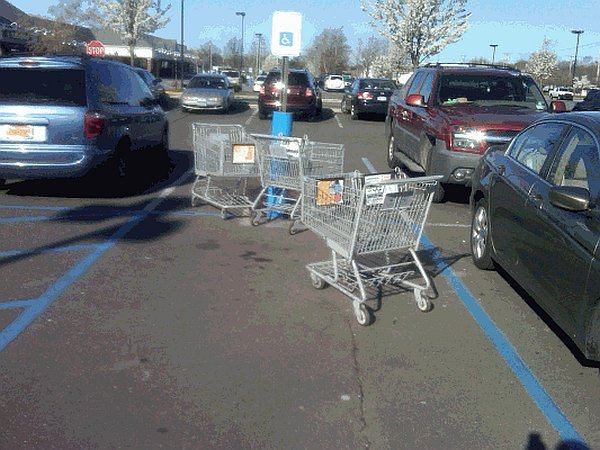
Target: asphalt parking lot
(134,320)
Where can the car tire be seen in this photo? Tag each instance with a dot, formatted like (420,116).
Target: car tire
(343,107)
(392,161)
(262,115)
(481,249)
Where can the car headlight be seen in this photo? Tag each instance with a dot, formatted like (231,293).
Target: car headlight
(464,139)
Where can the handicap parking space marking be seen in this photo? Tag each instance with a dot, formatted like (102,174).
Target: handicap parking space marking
(502,344)
(31,309)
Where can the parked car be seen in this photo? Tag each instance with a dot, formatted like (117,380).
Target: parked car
(367,96)
(258,83)
(303,94)
(591,102)
(535,212)
(233,76)
(155,85)
(561,93)
(63,116)
(334,83)
(208,91)
(446,116)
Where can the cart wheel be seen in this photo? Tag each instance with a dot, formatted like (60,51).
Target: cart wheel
(195,201)
(223,214)
(256,218)
(317,282)
(364,315)
(293,227)
(423,302)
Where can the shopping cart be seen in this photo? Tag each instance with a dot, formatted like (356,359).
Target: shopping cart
(225,158)
(283,162)
(372,224)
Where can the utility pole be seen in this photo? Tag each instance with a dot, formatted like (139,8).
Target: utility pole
(494,54)
(243,14)
(181,62)
(578,33)
(259,36)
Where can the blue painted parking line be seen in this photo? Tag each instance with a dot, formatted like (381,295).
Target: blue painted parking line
(536,391)
(68,248)
(18,304)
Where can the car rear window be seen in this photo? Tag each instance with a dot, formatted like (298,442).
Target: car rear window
(48,86)
(294,78)
(377,84)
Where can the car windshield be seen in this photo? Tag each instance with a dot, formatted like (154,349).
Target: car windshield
(207,82)
(231,73)
(485,90)
(377,84)
(49,86)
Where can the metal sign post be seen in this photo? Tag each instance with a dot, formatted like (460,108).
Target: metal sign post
(284,80)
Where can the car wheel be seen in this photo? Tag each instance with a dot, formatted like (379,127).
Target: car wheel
(262,115)
(343,107)
(391,157)
(353,112)
(480,237)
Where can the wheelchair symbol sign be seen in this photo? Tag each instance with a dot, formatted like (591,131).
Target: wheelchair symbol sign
(286,39)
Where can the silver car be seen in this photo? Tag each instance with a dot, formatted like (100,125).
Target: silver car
(208,91)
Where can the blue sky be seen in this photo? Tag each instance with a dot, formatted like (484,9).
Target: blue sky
(518,27)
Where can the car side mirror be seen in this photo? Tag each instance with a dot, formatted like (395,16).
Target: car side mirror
(571,198)
(147,102)
(416,100)
(558,106)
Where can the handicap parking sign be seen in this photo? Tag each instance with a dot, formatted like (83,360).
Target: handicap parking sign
(286,33)
(286,39)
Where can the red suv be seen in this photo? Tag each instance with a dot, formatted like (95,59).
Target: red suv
(446,116)
(303,96)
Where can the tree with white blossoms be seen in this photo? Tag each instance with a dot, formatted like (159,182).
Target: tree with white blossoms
(543,63)
(132,19)
(394,62)
(422,28)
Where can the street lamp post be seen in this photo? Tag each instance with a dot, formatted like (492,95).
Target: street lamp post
(181,62)
(259,37)
(494,54)
(243,14)
(578,33)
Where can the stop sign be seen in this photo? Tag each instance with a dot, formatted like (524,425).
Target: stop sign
(95,48)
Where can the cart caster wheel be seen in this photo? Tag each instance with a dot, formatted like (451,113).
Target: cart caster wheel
(223,214)
(364,316)
(423,302)
(317,282)
(256,219)
(293,227)
(195,201)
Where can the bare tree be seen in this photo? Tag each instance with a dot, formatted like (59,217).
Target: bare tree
(422,28)
(132,19)
(543,63)
(329,52)
(76,12)
(231,52)
(368,52)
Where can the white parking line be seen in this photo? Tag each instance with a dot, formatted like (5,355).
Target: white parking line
(254,113)
(338,121)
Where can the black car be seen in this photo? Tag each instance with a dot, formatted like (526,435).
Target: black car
(367,95)
(591,102)
(536,212)
(155,85)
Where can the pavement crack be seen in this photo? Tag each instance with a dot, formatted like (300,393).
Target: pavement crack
(357,373)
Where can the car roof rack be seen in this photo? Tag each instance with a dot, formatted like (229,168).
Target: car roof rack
(471,64)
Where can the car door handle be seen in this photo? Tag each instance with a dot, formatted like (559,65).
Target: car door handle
(405,114)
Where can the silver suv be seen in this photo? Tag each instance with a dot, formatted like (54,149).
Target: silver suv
(62,116)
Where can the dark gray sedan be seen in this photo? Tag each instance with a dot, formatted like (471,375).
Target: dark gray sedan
(536,213)
(208,91)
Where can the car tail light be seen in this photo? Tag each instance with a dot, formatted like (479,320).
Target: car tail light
(471,140)
(309,92)
(365,96)
(94,123)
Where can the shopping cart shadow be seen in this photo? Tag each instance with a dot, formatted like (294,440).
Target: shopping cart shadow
(378,289)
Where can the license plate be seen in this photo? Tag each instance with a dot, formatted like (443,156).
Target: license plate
(382,98)
(22,133)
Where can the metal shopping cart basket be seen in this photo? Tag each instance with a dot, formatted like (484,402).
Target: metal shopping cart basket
(225,158)
(284,161)
(372,224)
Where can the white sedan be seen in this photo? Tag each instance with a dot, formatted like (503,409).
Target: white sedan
(334,83)
(258,83)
